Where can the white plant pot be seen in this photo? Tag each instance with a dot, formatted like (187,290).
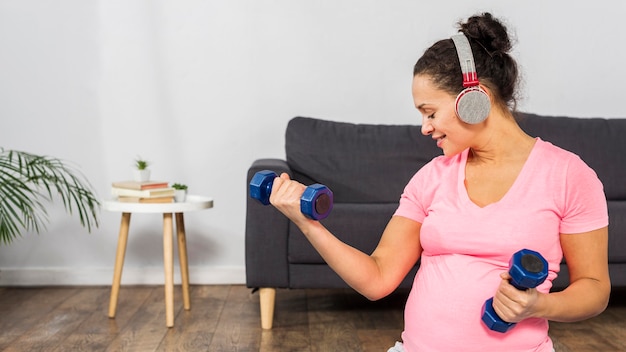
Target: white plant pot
(141,175)
(180,195)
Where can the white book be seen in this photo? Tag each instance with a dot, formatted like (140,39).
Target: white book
(145,193)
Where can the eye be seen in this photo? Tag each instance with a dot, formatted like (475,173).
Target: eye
(431,116)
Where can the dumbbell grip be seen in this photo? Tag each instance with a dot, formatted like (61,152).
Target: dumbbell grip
(316,201)
(528,269)
(268,191)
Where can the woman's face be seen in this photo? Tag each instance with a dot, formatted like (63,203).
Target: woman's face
(439,118)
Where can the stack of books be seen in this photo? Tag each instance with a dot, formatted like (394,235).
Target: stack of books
(143,192)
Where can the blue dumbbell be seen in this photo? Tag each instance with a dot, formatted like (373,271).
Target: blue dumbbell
(528,269)
(316,201)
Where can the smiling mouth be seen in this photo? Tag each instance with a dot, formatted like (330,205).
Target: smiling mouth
(439,140)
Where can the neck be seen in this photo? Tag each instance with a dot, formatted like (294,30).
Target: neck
(501,140)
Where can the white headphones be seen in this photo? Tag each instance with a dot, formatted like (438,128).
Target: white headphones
(472,104)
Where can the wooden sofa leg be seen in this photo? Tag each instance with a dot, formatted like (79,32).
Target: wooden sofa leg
(267,297)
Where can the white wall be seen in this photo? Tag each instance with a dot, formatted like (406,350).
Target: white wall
(202,88)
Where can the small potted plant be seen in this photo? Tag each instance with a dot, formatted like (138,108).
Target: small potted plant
(141,172)
(180,192)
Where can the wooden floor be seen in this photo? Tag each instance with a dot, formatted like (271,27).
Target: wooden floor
(226,318)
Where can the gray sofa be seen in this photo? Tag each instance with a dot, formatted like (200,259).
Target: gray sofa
(367,166)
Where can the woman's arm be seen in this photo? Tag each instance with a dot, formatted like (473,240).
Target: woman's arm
(375,275)
(587,295)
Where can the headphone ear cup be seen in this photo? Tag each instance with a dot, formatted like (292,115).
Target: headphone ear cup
(473,105)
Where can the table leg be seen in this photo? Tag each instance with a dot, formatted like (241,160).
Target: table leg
(119,263)
(168,262)
(182,256)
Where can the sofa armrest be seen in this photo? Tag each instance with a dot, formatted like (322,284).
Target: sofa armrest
(266,234)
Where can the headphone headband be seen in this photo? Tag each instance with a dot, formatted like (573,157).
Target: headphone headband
(466,59)
(472,104)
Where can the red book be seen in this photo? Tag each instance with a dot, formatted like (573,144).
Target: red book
(140,185)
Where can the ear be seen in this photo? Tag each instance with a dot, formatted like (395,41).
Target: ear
(487,91)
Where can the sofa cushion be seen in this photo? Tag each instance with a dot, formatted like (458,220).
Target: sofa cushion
(358,225)
(360,163)
(617,231)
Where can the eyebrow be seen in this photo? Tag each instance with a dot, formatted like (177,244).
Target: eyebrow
(421,106)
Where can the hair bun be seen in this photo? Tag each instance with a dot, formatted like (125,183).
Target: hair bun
(488,31)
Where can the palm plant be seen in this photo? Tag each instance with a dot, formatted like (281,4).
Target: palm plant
(27,180)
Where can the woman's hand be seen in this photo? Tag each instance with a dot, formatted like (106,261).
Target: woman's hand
(513,305)
(285,196)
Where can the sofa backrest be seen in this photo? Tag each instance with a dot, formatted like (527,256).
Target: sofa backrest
(366,163)
(360,163)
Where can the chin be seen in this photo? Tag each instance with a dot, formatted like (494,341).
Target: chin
(449,152)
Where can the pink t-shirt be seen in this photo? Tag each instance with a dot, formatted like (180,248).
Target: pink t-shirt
(466,247)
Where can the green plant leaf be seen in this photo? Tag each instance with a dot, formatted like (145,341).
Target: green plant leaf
(27,181)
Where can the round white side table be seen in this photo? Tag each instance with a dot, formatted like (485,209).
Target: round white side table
(192,203)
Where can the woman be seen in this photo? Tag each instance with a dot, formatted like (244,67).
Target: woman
(495,190)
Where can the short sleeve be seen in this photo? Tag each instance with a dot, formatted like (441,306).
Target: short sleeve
(419,193)
(585,206)
(411,205)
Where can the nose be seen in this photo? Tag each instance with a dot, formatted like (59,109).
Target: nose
(427,127)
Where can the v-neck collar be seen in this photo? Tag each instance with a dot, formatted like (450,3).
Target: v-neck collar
(519,180)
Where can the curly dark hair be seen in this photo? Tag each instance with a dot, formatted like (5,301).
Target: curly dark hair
(490,45)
